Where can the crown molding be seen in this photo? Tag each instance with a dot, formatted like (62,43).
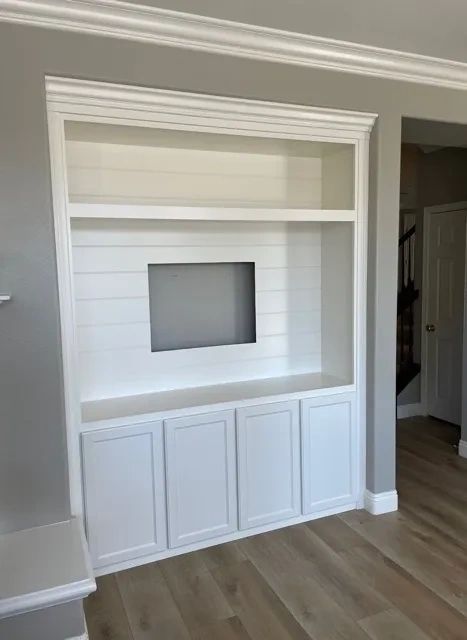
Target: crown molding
(73,96)
(118,19)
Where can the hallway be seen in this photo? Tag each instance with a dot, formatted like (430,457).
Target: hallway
(400,576)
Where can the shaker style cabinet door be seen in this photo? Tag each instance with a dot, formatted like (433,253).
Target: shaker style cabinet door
(328,452)
(124,488)
(201,477)
(268,439)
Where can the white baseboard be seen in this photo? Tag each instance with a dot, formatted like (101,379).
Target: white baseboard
(463,448)
(378,503)
(410,410)
(85,635)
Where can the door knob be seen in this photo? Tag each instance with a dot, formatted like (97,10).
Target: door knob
(430,328)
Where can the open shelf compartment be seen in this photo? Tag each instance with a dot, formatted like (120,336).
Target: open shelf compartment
(124,165)
(140,197)
(304,303)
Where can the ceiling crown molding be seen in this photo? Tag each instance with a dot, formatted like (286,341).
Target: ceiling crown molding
(143,23)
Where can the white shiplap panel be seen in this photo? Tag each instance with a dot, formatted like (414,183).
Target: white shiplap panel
(113,311)
(124,373)
(272,328)
(288,278)
(101,286)
(97,232)
(99,340)
(115,259)
(92,286)
(301,300)
(116,172)
(287,322)
(112,307)
(123,310)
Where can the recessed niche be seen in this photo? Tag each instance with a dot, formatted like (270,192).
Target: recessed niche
(194,305)
(273,299)
(134,165)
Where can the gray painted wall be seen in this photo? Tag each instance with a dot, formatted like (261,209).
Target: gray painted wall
(33,485)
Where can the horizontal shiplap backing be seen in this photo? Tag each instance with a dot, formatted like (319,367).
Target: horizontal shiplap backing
(110,260)
(103,172)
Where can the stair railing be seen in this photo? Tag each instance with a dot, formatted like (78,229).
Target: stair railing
(407,295)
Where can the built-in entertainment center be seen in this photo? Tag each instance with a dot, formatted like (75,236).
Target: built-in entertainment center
(212,263)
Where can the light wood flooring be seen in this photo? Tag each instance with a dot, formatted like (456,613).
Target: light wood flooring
(400,576)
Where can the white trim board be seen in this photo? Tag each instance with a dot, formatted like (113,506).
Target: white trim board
(84,636)
(379,503)
(462,448)
(410,410)
(139,22)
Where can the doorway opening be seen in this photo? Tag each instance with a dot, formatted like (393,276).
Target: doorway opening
(432,268)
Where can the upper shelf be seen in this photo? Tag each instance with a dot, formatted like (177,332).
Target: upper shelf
(192,169)
(163,212)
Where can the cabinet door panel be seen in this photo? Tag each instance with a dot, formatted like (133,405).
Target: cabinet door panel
(201,477)
(328,446)
(124,489)
(268,463)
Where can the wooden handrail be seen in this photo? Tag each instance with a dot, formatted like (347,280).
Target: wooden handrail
(408,234)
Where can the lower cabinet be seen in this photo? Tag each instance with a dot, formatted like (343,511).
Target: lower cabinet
(124,490)
(292,457)
(268,439)
(201,477)
(328,452)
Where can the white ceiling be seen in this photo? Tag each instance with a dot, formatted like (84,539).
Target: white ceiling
(429,27)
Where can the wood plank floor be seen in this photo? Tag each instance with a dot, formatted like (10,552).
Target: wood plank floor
(400,576)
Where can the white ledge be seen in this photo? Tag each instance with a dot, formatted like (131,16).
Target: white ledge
(43,567)
(130,211)
(143,23)
(111,412)
(4,297)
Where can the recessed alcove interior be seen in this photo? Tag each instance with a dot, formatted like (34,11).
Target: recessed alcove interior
(123,185)
(138,165)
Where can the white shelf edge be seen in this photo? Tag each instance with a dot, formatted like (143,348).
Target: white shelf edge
(4,297)
(173,212)
(52,596)
(208,405)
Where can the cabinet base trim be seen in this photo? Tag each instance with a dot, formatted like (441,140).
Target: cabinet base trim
(378,503)
(237,535)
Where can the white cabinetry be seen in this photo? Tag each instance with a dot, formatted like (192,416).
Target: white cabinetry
(201,477)
(285,411)
(124,489)
(328,452)
(268,439)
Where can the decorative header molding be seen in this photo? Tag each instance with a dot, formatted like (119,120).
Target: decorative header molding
(70,96)
(139,22)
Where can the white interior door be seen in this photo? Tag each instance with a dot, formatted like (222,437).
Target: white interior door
(444,293)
